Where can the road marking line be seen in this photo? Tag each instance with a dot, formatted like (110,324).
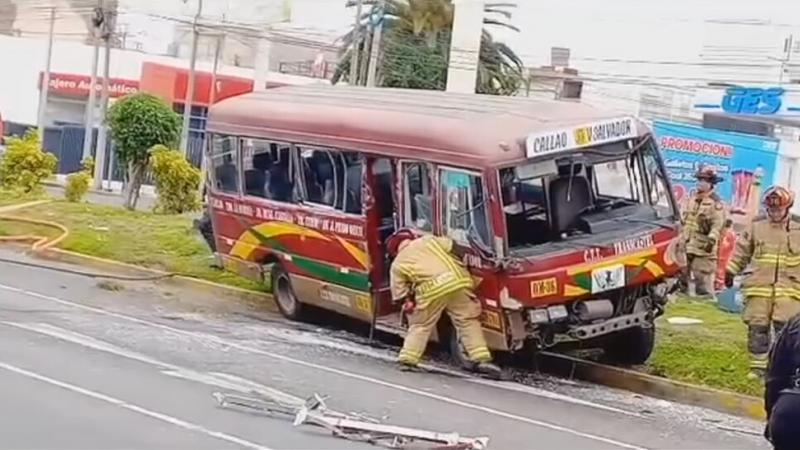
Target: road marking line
(216,379)
(343,373)
(131,407)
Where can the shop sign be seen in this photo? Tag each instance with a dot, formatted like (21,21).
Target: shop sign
(762,101)
(79,85)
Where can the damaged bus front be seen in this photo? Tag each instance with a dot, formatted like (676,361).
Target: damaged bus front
(591,227)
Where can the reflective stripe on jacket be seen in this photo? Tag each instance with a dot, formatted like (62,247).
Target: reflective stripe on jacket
(703,219)
(427,266)
(773,252)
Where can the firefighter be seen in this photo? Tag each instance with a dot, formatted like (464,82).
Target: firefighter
(782,390)
(772,291)
(429,280)
(703,218)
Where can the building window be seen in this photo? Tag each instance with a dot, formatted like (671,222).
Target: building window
(267,170)
(224,164)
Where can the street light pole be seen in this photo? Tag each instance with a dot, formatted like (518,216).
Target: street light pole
(187,104)
(102,133)
(88,121)
(43,94)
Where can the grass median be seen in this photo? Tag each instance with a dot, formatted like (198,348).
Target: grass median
(713,353)
(162,242)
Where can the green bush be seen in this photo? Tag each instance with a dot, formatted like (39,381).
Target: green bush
(78,182)
(24,165)
(176,181)
(77,186)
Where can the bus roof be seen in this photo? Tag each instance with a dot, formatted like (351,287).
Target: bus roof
(476,131)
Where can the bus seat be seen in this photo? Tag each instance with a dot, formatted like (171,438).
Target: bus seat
(565,213)
(255,182)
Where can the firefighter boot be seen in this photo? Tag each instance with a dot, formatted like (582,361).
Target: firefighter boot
(488,370)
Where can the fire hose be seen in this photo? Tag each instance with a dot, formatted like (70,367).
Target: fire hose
(41,244)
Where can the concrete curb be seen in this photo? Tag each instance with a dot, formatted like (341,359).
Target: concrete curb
(567,366)
(653,386)
(116,267)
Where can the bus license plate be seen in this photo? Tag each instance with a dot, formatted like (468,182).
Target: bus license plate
(608,278)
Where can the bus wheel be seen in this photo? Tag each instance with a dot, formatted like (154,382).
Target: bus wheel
(458,353)
(285,298)
(632,346)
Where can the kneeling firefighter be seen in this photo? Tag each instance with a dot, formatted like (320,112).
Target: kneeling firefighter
(429,280)
(772,290)
(782,393)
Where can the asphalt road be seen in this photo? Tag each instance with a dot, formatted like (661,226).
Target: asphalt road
(134,365)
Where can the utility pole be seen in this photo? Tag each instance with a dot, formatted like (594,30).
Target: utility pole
(212,96)
(356,45)
(43,93)
(376,46)
(465,46)
(102,133)
(187,104)
(88,120)
(788,48)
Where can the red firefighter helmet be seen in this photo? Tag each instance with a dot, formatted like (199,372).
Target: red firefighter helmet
(778,197)
(708,173)
(396,240)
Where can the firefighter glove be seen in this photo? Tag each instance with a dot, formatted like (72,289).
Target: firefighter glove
(709,247)
(409,306)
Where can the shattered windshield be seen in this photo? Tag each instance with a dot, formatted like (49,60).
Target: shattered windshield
(588,193)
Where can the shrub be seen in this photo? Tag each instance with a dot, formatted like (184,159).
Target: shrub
(176,181)
(24,165)
(137,123)
(77,186)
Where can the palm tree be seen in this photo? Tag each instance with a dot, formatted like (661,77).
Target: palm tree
(417,45)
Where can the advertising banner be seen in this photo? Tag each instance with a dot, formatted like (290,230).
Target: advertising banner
(746,162)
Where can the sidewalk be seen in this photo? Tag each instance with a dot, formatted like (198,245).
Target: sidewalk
(113,197)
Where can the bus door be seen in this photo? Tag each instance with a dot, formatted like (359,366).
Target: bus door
(379,204)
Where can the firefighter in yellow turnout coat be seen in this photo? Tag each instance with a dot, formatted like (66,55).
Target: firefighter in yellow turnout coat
(703,219)
(772,291)
(430,280)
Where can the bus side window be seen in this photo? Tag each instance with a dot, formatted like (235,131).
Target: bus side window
(224,164)
(418,208)
(464,209)
(333,178)
(267,170)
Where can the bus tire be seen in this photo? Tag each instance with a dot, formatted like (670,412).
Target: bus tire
(285,298)
(632,346)
(458,354)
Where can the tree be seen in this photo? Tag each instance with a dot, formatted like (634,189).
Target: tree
(138,123)
(417,45)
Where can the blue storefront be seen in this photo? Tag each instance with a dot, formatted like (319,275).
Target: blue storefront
(746,162)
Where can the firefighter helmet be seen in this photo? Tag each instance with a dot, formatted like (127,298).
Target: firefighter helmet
(708,173)
(396,241)
(778,197)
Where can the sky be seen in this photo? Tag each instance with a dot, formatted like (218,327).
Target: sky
(626,47)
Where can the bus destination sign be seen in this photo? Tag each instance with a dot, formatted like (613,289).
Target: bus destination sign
(595,133)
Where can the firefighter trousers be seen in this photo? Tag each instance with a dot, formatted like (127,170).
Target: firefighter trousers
(701,269)
(761,314)
(464,312)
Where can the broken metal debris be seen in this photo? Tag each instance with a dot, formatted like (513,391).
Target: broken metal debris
(354,427)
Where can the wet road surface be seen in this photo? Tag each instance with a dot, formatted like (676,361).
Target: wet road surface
(85,366)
